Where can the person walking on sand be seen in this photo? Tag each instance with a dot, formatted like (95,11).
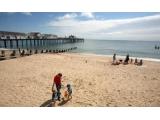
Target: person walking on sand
(57,82)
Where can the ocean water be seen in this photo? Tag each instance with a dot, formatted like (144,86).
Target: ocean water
(142,49)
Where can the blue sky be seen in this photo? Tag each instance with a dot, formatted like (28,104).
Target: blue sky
(98,25)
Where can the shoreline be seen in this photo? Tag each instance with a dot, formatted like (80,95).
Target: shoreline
(119,56)
(101,55)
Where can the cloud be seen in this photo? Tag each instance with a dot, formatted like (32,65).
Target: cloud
(68,16)
(138,28)
(87,14)
(76,15)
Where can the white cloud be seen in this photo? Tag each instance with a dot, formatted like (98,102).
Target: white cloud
(138,28)
(68,16)
(87,14)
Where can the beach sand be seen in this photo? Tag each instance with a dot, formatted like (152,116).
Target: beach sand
(27,81)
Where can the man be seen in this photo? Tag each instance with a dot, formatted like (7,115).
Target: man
(57,82)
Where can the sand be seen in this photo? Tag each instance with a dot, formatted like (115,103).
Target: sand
(27,81)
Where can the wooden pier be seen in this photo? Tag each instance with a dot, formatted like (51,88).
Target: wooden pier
(9,43)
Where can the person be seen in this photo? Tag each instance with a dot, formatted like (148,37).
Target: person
(67,93)
(69,89)
(54,96)
(126,60)
(120,61)
(114,58)
(140,63)
(57,83)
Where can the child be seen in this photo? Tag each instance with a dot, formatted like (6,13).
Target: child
(67,93)
(69,89)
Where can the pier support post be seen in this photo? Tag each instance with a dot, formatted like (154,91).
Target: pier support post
(34,42)
(17,44)
(26,43)
(5,44)
(22,43)
(37,42)
(42,42)
(11,43)
(30,42)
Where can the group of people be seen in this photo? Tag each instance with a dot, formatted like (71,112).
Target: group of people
(126,61)
(56,89)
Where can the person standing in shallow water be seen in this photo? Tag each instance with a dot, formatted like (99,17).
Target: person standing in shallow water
(57,81)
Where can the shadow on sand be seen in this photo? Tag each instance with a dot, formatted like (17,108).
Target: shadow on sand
(48,103)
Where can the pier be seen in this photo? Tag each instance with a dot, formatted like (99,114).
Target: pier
(19,43)
(33,39)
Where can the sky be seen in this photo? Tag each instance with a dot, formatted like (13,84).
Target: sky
(95,25)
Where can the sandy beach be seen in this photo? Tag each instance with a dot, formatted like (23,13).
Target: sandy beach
(27,81)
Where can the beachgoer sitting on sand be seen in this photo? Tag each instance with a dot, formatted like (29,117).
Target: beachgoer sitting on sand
(120,61)
(136,61)
(13,53)
(126,60)
(115,62)
(57,82)
(140,63)
(22,53)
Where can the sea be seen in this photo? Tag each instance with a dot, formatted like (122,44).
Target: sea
(136,49)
